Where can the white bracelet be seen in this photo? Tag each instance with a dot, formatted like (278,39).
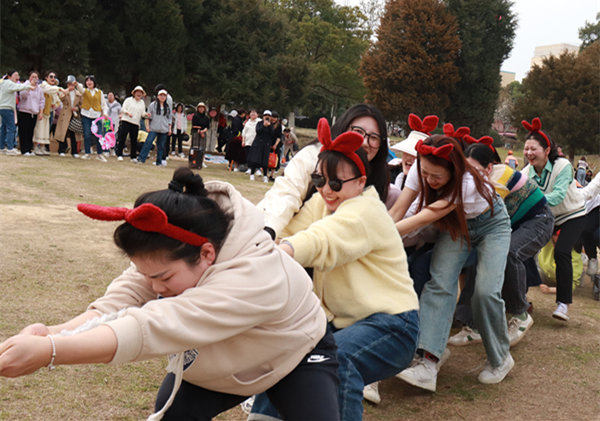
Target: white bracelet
(51,365)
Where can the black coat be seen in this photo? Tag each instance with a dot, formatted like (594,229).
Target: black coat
(259,151)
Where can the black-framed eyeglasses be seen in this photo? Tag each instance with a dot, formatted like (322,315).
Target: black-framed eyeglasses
(335,184)
(373,139)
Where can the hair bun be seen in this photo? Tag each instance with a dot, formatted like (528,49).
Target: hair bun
(193,183)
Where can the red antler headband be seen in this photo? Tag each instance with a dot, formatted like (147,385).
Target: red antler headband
(346,143)
(484,140)
(536,126)
(426,125)
(146,217)
(440,152)
(459,133)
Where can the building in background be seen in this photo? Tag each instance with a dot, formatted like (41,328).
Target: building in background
(544,51)
(507,78)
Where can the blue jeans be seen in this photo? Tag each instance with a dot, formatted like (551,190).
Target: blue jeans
(490,235)
(526,240)
(8,129)
(88,137)
(371,349)
(161,138)
(419,262)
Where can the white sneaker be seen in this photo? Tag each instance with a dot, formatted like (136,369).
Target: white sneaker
(236,169)
(119,158)
(251,177)
(76,155)
(101,157)
(182,155)
(265,179)
(561,312)
(134,160)
(173,153)
(491,375)
(258,172)
(106,153)
(12,152)
(592,267)
(247,405)
(248,171)
(44,151)
(423,373)
(517,328)
(465,337)
(61,154)
(85,156)
(163,162)
(28,154)
(38,151)
(371,393)
(112,152)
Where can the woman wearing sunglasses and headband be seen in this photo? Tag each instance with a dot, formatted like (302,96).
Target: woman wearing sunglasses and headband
(360,271)
(289,192)
(197,291)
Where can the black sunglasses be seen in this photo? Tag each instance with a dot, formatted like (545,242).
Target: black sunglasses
(336,185)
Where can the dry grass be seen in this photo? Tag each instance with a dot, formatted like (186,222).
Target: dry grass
(55,261)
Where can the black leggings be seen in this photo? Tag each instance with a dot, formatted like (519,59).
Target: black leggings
(570,232)
(127,128)
(590,233)
(62,146)
(309,392)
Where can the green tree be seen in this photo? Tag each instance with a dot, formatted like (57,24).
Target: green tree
(487,30)
(244,56)
(411,67)
(138,42)
(45,34)
(590,33)
(330,40)
(563,92)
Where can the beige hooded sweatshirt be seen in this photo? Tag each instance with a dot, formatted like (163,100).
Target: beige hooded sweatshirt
(246,325)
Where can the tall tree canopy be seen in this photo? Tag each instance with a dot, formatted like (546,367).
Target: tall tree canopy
(590,33)
(329,39)
(411,67)
(276,53)
(487,30)
(563,92)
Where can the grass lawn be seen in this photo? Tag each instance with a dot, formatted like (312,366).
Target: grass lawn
(55,261)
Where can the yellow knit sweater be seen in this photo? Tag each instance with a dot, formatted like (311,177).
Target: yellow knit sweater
(358,257)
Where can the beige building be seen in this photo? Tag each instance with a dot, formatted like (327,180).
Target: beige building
(507,78)
(545,51)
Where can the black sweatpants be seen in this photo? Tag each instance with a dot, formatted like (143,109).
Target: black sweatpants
(309,392)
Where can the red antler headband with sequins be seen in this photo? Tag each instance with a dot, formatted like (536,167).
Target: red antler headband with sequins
(536,127)
(440,152)
(146,217)
(459,133)
(426,125)
(484,140)
(346,143)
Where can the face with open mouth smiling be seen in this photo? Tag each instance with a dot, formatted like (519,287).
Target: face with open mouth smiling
(351,184)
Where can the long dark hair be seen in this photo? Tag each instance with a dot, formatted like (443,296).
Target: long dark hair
(379,172)
(455,222)
(187,206)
